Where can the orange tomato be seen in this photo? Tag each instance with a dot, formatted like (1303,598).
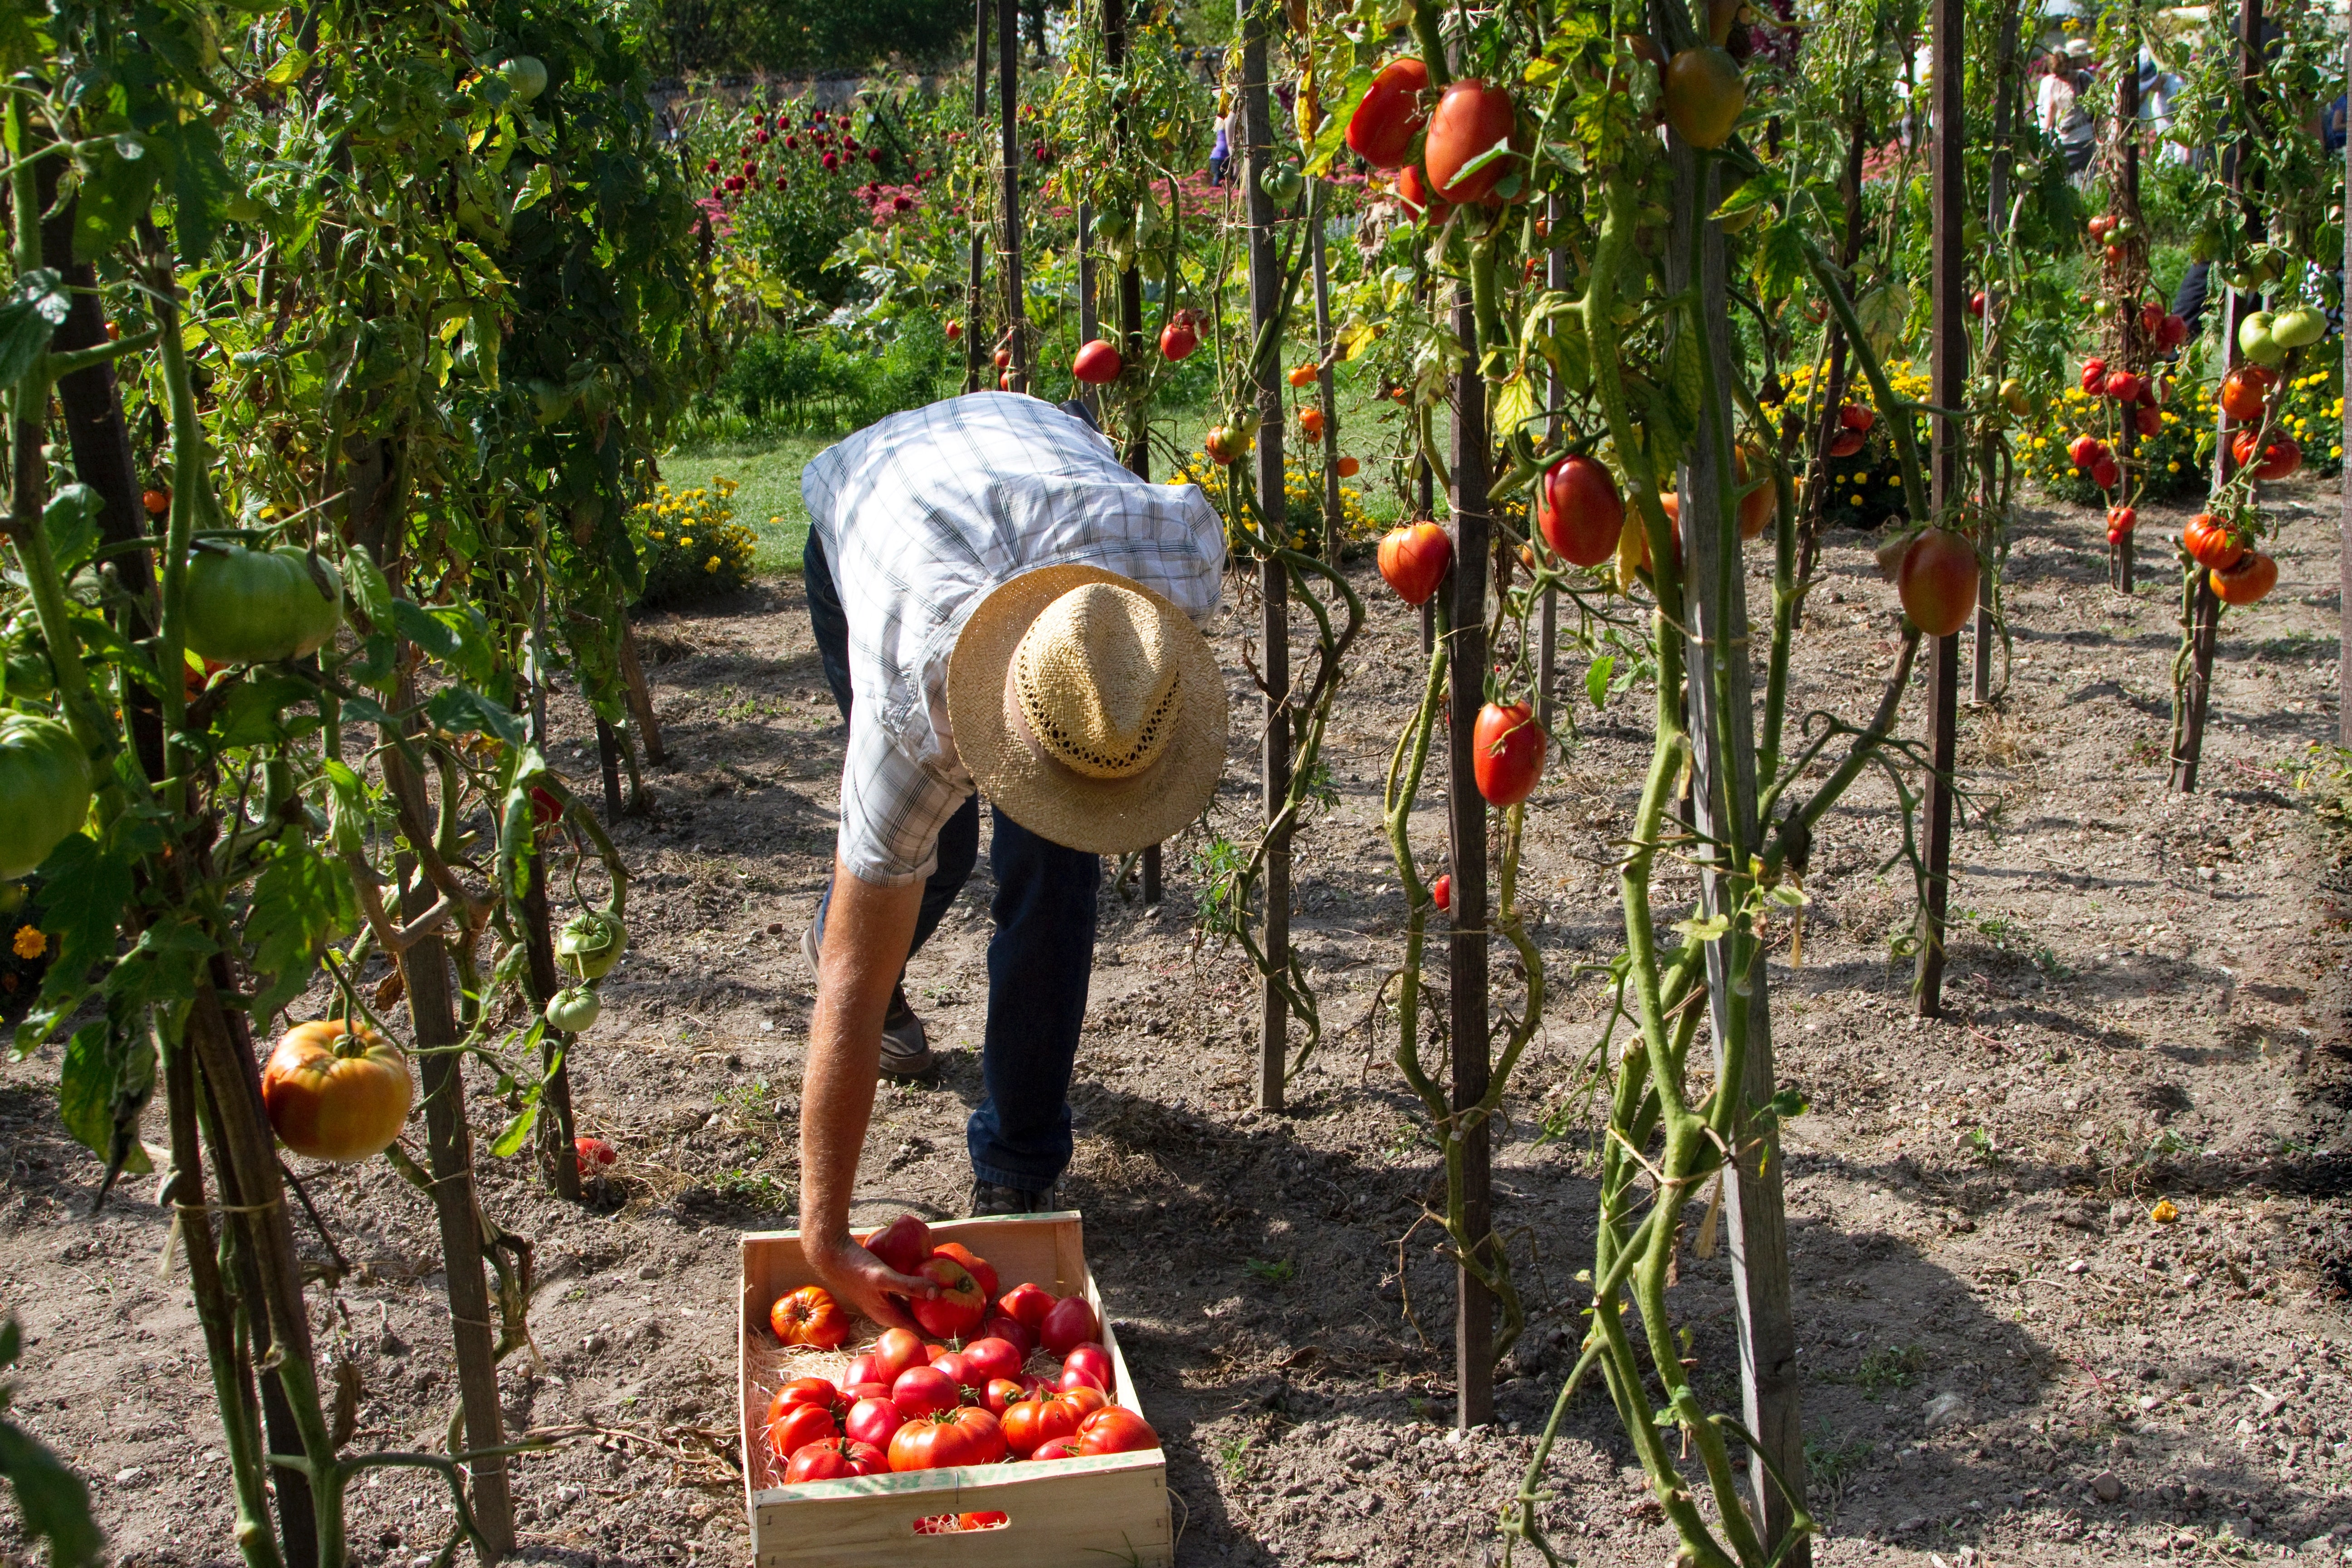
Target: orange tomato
(335,1089)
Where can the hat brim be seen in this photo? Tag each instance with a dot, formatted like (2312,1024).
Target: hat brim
(1100,816)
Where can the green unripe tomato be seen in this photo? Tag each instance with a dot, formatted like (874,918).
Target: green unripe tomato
(526,77)
(244,208)
(253,606)
(29,678)
(2296,328)
(574,1009)
(1283,183)
(2256,341)
(590,941)
(45,781)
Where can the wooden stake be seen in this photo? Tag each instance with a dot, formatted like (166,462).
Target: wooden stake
(1132,347)
(1317,210)
(1474,1322)
(975,349)
(1274,579)
(639,696)
(2201,606)
(2004,154)
(1547,629)
(2119,553)
(1950,372)
(1008,255)
(559,1163)
(2344,551)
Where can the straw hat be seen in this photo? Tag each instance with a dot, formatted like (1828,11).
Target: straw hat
(1110,732)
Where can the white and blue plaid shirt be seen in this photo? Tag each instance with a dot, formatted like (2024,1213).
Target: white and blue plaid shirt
(919,517)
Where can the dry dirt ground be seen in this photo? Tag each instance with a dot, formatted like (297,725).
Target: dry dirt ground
(2006,1360)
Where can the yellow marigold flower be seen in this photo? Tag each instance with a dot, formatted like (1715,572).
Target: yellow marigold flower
(2334,451)
(711,565)
(1856,500)
(686,543)
(29,943)
(2172,468)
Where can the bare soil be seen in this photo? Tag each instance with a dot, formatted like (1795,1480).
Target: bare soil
(2007,1358)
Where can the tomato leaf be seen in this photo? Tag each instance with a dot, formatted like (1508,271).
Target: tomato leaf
(1596,679)
(53,1500)
(84,890)
(1710,928)
(108,1076)
(69,523)
(302,902)
(32,313)
(462,710)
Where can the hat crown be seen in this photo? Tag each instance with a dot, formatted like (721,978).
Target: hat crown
(1097,682)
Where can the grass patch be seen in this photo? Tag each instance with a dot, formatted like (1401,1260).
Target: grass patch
(766,467)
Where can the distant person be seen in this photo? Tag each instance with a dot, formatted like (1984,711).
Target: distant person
(2077,131)
(1220,153)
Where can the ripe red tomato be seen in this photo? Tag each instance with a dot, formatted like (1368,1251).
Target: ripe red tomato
(813,1390)
(958,1365)
(1412,189)
(1758,505)
(2115,256)
(1348,467)
(336,1089)
(1441,892)
(2083,451)
(1004,358)
(893,1352)
(992,1358)
(1977,303)
(2249,582)
(1508,751)
(1026,1304)
(2211,542)
(873,1421)
(2105,474)
(810,1316)
(1071,1321)
(157,501)
(1846,443)
(2279,458)
(2121,519)
(836,1460)
(2124,387)
(1093,1359)
(1073,1377)
(1389,116)
(862,1369)
(2147,421)
(922,1389)
(1020,1336)
(905,1241)
(1042,1417)
(1413,560)
(957,1310)
(1471,119)
(942,1440)
(593,1154)
(1310,419)
(2099,225)
(2094,375)
(1097,363)
(1114,1429)
(2171,332)
(1854,416)
(1059,1449)
(954,330)
(982,1269)
(1001,1393)
(1580,510)
(1179,338)
(1937,581)
(798,1426)
(2245,394)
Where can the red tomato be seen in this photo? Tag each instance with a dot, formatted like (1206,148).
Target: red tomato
(954,329)
(1114,1429)
(1472,118)
(2115,256)
(1854,416)
(2094,375)
(1042,1417)
(1071,1322)
(336,1090)
(1580,510)
(1937,581)
(1977,303)
(905,1241)
(2171,332)
(798,1426)
(1020,1336)
(895,1351)
(1001,1393)
(957,1310)
(1073,1377)
(544,807)
(923,1389)
(854,1391)
(1004,362)
(2085,451)
(2148,421)
(980,1266)
(2121,519)
(1846,443)
(1026,1304)
(834,1460)
(593,1154)
(1097,363)
(813,1390)
(2211,542)
(957,1365)
(1441,892)
(2123,386)
(1179,338)
(2099,225)
(1348,467)
(1093,1359)
(2247,582)
(2245,394)
(942,1440)
(862,1369)
(1507,752)
(2105,474)
(1412,190)
(1389,116)
(1059,1449)
(873,1421)
(1413,560)
(1310,419)
(992,1358)
(981,1521)
(810,1316)
(2279,458)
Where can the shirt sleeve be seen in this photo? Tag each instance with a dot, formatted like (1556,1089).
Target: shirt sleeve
(892,808)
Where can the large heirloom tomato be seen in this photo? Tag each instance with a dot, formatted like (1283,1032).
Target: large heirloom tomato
(834,1460)
(249,607)
(336,1090)
(982,1270)
(959,1306)
(1027,1304)
(1389,115)
(2211,542)
(1472,119)
(2249,582)
(44,791)
(1937,581)
(1047,1415)
(816,1391)
(2279,457)
(1414,558)
(1507,752)
(797,1426)
(1704,95)
(1580,510)
(1114,1429)
(2245,393)
(1070,1323)
(810,1316)
(942,1439)
(903,1244)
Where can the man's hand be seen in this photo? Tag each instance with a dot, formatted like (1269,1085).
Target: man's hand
(864,1283)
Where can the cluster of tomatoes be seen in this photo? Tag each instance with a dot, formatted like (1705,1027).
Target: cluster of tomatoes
(2240,574)
(903,1405)
(830,140)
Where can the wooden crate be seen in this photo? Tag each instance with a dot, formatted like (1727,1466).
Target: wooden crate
(1098,1512)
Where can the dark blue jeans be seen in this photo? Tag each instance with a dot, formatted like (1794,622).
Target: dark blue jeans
(1039,960)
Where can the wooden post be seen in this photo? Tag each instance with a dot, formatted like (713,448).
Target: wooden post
(558,1161)
(2119,553)
(975,351)
(1317,215)
(2004,153)
(2201,607)
(1274,579)
(1948,372)
(1008,255)
(639,695)
(1474,1322)
(608,763)
(2344,553)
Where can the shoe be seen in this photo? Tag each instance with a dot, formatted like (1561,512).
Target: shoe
(906,1046)
(988,1199)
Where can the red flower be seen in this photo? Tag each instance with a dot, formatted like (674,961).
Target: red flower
(832,161)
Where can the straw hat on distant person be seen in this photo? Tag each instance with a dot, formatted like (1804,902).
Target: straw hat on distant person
(1089,707)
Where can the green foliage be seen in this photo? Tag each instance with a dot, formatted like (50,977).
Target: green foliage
(795,36)
(52,1499)
(820,382)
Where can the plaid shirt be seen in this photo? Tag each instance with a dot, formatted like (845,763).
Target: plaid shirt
(920,516)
